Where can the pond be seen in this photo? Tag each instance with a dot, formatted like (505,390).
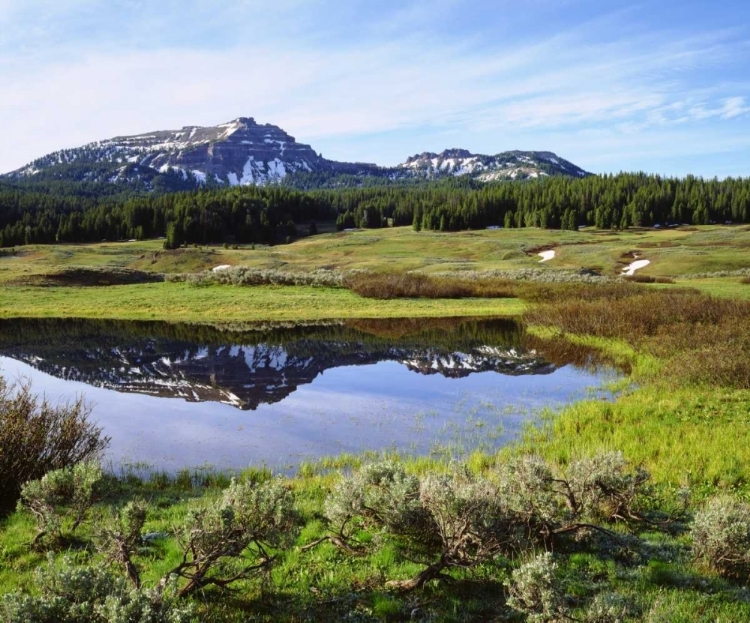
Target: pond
(180,396)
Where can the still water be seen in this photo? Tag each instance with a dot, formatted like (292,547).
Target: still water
(179,396)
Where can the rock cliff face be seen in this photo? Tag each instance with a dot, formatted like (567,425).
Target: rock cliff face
(243,152)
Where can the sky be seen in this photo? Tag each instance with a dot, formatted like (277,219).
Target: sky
(662,87)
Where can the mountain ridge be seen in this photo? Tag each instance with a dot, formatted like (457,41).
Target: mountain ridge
(243,152)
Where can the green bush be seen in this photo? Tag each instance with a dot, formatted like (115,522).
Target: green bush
(37,437)
(721,536)
(60,495)
(93,594)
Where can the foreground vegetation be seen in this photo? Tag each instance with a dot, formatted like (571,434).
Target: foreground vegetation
(632,510)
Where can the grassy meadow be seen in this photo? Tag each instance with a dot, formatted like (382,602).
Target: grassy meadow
(679,254)
(683,414)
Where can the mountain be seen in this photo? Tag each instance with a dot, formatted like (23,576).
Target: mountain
(236,153)
(243,152)
(508,165)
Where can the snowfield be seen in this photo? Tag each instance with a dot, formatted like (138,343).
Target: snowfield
(546,256)
(629,271)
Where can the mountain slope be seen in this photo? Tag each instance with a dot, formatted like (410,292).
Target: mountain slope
(508,165)
(243,152)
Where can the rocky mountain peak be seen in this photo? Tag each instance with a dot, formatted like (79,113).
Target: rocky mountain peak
(244,152)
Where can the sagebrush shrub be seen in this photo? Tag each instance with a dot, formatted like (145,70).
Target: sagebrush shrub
(379,493)
(231,538)
(536,591)
(530,489)
(721,536)
(609,608)
(63,494)
(604,488)
(93,594)
(119,537)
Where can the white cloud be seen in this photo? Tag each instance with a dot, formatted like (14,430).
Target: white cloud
(325,94)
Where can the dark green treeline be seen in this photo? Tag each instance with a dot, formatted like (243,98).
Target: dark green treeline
(73,213)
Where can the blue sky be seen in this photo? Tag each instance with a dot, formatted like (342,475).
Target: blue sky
(660,87)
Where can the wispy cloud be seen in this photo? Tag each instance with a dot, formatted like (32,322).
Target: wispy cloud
(375,97)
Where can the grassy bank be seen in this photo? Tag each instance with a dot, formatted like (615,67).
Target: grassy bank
(182,302)
(672,252)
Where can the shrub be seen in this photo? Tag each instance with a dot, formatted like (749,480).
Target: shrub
(411,285)
(609,608)
(93,594)
(37,437)
(380,494)
(244,524)
(455,519)
(120,537)
(530,490)
(721,536)
(648,279)
(60,495)
(603,488)
(536,591)
(248,276)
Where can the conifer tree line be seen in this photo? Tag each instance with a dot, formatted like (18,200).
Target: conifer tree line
(75,213)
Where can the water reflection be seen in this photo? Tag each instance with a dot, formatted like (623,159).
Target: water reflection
(246,369)
(166,394)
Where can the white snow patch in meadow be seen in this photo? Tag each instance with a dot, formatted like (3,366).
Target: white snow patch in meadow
(546,255)
(629,271)
(216,269)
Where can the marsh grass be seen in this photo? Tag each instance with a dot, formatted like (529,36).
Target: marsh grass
(701,339)
(413,285)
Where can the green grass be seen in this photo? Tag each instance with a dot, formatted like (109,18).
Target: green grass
(180,302)
(672,252)
(724,287)
(394,250)
(685,437)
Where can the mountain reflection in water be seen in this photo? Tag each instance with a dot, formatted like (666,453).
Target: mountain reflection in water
(177,396)
(249,368)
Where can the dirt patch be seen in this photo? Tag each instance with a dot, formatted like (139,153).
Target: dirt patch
(90,277)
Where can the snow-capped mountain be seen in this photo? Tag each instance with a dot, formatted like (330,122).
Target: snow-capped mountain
(243,152)
(509,165)
(240,152)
